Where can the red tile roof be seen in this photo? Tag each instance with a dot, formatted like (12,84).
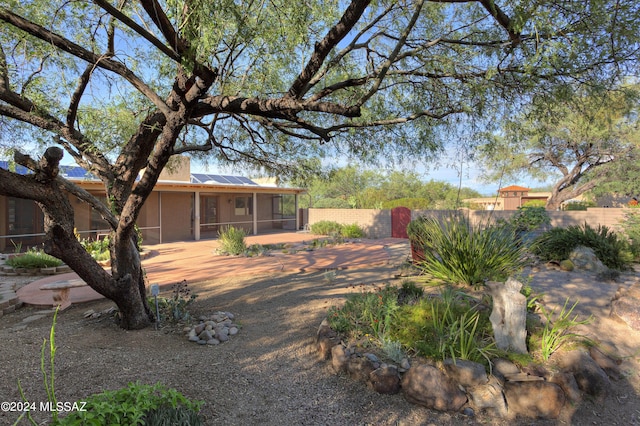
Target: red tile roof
(514,188)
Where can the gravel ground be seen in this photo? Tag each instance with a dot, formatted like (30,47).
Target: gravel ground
(268,374)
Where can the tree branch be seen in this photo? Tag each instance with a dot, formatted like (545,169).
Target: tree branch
(348,20)
(81,53)
(171,53)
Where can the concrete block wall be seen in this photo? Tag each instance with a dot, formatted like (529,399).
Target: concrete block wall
(377,223)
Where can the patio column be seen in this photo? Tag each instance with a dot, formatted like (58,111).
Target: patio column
(295,203)
(196,222)
(254,201)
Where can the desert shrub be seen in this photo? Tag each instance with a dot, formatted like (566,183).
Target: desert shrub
(332,203)
(366,313)
(558,243)
(352,231)
(457,253)
(631,227)
(410,203)
(98,248)
(445,326)
(131,406)
(232,241)
(176,307)
(326,227)
(529,218)
(34,259)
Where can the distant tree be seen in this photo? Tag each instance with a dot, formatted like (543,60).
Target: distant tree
(584,140)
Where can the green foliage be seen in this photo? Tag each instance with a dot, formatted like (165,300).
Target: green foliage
(445,326)
(98,248)
(410,203)
(326,227)
(370,313)
(335,229)
(578,205)
(529,218)
(176,307)
(558,243)
(172,416)
(557,331)
(351,231)
(232,241)
(131,406)
(48,373)
(631,228)
(34,258)
(456,253)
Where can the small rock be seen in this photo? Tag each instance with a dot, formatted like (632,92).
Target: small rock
(213,342)
(222,337)
(339,358)
(233,331)
(385,380)
(467,373)
(193,338)
(202,342)
(199,328)
(205,335)
(537,399)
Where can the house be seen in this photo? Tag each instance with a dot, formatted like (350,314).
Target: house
(509,198)
(183,206)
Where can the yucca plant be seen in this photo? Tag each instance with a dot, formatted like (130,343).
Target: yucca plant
(232,241)
(456,252)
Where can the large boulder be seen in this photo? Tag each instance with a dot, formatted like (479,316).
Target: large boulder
(591,379)
(427,386)
(535,399)
(626,307)
(466,373)
(585,259)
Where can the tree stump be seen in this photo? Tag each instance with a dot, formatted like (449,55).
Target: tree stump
(509,314)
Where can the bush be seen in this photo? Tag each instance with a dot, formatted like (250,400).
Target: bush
(232,241)
(132,405)
(326,227)
(34,259)
(558,243)
(631,228)
(455,252)
(529,218)
(351,231)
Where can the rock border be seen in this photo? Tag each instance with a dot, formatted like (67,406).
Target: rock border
(466,387)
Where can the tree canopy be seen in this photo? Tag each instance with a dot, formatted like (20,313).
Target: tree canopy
(580,142)
(121,86)
(352,187)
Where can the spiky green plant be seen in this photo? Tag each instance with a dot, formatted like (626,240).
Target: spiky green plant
(456,252)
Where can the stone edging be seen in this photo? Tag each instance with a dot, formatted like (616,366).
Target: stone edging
(464,386)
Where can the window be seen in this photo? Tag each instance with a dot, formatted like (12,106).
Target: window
(244,206)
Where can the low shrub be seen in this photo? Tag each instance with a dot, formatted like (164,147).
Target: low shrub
(326,227)
(335,229)
(558,243)
(134,405)
(351,231)
(176,307)
(232,241)
(34,259)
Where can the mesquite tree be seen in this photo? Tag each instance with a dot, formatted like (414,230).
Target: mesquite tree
(121,86)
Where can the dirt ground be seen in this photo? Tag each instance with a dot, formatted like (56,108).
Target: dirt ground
(269,373)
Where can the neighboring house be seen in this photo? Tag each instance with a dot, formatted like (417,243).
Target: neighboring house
(183,206)
(509,198)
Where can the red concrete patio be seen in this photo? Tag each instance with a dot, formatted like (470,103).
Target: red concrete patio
(197,261)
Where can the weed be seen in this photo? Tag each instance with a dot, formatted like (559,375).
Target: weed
(34,258)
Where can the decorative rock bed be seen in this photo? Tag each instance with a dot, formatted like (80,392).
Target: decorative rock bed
(464,386)
(214,329)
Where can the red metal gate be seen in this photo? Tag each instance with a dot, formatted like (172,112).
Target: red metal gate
(400,218)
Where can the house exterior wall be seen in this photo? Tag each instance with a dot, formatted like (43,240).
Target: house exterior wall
(176,209)
(511,203)
(149,219)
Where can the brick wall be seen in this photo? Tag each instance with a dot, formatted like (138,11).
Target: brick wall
(377,223)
